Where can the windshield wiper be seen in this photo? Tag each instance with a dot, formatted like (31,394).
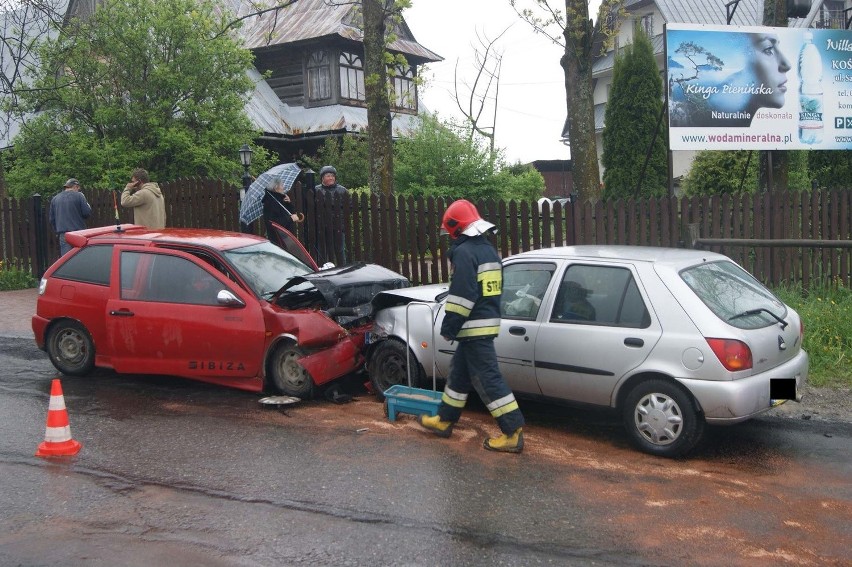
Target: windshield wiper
(758,311)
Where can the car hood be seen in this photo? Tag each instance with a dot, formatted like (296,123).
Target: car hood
(345,292)
(431,293)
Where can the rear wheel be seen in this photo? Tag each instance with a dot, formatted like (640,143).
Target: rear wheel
(662,419)
(71,348)
(388,367)
(287,375)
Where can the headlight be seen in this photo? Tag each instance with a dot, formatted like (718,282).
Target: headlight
(42,286)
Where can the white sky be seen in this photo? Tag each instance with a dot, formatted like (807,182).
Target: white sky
(531,100)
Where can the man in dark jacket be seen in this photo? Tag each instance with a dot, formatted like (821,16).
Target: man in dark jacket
(68,211)
(473,319)
(333,235)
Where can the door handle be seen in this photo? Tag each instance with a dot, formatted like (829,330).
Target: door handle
(122,313)
(634,342)
(518,331)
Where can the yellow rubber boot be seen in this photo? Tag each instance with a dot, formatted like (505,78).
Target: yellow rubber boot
(434,424)
(513,443)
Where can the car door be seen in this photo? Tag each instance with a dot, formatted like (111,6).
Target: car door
(285,240)
(164,318)
(599,327)
(525,286)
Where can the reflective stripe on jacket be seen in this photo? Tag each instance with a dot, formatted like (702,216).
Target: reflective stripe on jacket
(473,303)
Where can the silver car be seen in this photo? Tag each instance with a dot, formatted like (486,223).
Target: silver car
(671,338)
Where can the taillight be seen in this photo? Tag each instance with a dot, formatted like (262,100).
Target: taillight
(734,355)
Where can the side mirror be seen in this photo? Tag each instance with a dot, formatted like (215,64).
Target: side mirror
(228,299)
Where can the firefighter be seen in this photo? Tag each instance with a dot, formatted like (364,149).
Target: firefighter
(473,319)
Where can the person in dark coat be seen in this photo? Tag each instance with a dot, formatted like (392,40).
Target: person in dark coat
(278,208)
(68,211)
(333,235)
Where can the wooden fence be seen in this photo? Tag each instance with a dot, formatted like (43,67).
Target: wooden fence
(401,233)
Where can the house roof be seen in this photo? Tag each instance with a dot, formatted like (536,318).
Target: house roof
(748,13)
(307,20)
(276,118)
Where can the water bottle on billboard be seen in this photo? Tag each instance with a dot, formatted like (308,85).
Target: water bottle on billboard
(810,92)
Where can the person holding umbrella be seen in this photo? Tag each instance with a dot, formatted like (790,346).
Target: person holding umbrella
(277,207)
(266,196)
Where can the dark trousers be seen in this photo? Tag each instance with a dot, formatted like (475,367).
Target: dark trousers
(63,246)
(474,367)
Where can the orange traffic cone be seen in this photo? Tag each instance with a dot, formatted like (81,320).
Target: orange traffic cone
(57,435)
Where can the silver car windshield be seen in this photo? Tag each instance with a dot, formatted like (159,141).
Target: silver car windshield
(734,295)
(265,267)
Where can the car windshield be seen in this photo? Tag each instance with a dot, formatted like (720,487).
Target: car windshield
(734,295)
(265,267)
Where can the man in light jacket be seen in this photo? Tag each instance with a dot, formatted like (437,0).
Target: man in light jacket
(146,200)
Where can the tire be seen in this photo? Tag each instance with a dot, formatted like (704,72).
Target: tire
(287,376)
(70,348)
(662,419)
(388,367)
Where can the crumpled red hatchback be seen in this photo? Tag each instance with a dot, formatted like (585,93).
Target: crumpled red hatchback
(220,307)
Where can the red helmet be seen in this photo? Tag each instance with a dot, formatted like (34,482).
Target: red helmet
(463,218)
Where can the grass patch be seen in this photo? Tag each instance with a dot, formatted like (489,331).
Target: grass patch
(12,278)
(827,314)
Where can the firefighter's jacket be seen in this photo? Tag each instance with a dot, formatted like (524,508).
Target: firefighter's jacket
(473,303)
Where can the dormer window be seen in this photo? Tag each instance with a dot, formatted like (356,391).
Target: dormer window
(319,76)
(405,92)
(352,77)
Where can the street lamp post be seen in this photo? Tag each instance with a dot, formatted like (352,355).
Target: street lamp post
(245,159)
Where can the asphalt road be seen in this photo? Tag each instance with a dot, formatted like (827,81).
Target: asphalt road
(181,473)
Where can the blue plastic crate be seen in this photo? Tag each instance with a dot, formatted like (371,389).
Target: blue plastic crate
(416,401)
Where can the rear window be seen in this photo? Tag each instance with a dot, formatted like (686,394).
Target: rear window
(734,295)
(91,265)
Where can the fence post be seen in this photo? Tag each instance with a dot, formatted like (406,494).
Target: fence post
(40,237)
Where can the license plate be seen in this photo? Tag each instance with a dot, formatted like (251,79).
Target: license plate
(782,389)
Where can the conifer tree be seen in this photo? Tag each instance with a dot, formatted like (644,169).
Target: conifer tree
(631,118)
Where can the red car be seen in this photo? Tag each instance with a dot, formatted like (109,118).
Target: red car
(220,307)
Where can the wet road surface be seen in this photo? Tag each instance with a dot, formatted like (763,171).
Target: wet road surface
(177,472)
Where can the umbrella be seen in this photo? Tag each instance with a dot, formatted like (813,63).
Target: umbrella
(251,208)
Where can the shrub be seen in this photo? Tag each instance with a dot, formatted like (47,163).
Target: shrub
(825,311)
(12,277)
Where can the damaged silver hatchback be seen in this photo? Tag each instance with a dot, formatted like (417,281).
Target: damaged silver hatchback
(673,339)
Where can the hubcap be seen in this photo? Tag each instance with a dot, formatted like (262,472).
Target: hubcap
(292,372)
(393,371)
(658,419)
(71,346)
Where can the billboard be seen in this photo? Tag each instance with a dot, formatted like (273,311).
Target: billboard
(758,88)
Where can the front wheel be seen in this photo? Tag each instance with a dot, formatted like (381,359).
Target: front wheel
(288,376)
(71,348)
(662,419)
(388,367)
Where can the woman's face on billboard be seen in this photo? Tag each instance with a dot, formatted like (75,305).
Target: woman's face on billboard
(769,67)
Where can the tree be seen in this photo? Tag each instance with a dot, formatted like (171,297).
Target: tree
(735,172)
(830,168)
(350,155)
(487,78)
(718,172)
(150,83)
(22,25)
(444,160)
(579,37)
(633,114)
